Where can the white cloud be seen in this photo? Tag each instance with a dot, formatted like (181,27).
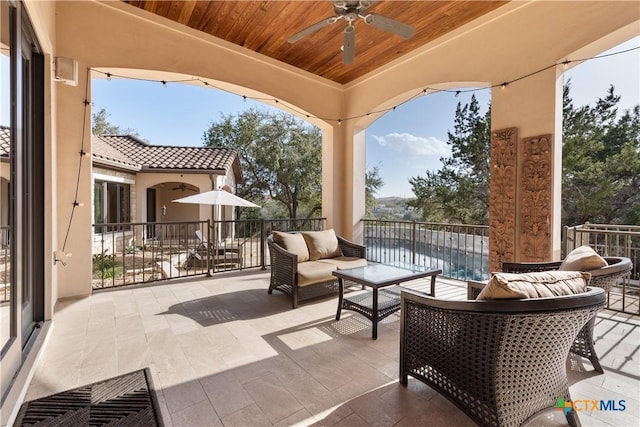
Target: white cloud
(411,145)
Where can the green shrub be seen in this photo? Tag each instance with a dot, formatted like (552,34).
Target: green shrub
(105,266)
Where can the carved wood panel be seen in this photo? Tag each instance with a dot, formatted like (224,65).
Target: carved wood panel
(502,196)
(535,198)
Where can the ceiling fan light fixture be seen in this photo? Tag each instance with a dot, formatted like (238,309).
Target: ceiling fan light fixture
(351,11)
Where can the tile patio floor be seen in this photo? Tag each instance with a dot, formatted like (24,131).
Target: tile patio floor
(225,353)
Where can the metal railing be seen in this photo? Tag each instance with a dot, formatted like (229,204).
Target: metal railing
(461,251)
(131,253)
(607,240)
(134,253)
(612,240)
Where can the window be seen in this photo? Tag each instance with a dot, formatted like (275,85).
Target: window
(111,204)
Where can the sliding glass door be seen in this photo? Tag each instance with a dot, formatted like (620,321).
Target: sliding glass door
(7,294)
(21,188)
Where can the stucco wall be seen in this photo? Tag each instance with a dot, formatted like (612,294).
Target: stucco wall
(165,196)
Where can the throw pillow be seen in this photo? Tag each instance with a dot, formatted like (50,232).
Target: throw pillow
(582,258)
(292,242)
(535,285)
(322,244)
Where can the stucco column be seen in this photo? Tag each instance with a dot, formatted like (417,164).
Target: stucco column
(73,126)
(526,167)
(343,167)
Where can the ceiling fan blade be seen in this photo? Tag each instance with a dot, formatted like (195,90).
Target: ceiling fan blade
(312,29)
(348,44)
(391,25)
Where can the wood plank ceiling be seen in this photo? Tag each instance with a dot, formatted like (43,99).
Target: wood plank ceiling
(265,26)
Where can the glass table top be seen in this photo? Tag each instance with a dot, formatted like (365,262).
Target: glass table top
(383,273)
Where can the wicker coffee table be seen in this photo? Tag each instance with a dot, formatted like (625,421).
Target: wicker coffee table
(384,298)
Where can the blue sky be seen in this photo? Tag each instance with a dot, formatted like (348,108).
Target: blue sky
(403,143)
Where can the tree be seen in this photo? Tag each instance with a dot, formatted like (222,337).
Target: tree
(601,162)
(102,126)
(459,191)
(280,157)
(372,183)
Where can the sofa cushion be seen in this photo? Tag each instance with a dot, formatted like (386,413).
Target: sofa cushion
(344,262)
(312,272)
(322,244)
(292,242)
(582,258)
(535,285)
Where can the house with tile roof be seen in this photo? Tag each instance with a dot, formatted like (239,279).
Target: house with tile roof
(142,180)
(134,181)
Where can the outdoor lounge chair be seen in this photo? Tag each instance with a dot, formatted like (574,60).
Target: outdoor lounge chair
(500,361)
(229,256)
(604,277)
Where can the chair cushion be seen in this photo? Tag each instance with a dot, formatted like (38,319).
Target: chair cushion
(535,285)
(582,258)
(292,242)
(312,272)
(322,244)
(344,262)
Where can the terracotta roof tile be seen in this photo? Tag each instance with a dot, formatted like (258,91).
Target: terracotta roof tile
(171,157)
(131,153)
(102,151)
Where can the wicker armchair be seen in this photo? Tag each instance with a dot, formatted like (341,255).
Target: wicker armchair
(500,362)
(284,271)
(605,278)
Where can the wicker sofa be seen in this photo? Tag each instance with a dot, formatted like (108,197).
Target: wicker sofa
(302,262)
(500,361)
(604,277)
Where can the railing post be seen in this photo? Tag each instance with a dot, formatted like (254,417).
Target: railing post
(413,242)
(263,264)
(102,268)
(209,248)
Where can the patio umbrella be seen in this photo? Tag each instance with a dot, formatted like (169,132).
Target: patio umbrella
(217,197)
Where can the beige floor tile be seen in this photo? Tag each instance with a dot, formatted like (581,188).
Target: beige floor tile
(225,394)
(130,324)
(300,418)
(250,415)
(548,418)
(94,372)
(273,399)
(154,322)
(332,415)
(200,415)
(224,352)
(183,395)
(353,420)
(406,400)
(375,411)
(133,353)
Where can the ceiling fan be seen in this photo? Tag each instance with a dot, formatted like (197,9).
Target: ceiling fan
(183,187)
(351,11)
